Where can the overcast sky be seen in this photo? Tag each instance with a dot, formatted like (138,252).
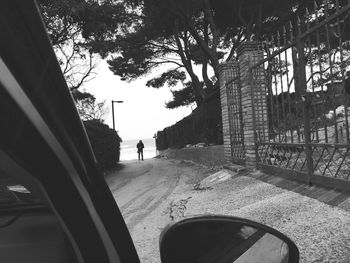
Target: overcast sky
(143,112)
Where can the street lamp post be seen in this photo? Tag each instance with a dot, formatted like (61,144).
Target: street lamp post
(114,101)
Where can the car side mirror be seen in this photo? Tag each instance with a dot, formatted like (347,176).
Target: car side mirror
(221,239)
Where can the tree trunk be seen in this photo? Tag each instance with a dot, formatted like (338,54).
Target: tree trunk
(198,91)
(211,54)
(208,83)
(196,84)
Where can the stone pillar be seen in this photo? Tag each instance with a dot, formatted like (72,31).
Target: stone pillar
(253,87)
(228,71)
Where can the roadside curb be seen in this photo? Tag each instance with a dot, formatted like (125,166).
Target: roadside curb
(330,196)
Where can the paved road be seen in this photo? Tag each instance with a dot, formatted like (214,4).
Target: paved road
(155,192)
(144,191)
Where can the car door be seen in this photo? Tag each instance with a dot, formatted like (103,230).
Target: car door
(44,147)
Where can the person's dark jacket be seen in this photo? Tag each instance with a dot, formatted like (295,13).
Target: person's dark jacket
(140,147)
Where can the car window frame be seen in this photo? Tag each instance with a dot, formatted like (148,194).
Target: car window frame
(70,145)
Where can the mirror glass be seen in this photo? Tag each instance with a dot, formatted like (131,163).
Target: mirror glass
(222,241)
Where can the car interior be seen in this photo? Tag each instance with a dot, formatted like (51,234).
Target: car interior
(29,229)
(54,204)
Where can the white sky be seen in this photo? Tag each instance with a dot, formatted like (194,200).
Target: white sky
(143,112)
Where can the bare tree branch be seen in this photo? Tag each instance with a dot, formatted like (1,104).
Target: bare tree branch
(86,74)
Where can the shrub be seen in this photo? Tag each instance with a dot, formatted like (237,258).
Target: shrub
(105,143)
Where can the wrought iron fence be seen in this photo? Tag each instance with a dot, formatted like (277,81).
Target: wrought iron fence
(307,75)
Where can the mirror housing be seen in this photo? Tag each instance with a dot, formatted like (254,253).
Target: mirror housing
(224,239)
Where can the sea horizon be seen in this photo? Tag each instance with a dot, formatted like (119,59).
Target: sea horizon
(128,150)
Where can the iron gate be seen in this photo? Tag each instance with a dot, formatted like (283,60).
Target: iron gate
(307,76)
(234,100)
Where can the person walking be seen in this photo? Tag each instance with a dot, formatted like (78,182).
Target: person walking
(140,147)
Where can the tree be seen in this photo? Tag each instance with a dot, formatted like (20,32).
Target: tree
(65,32)
(185,33)
(181,97)
(69,23)
(176,35)
(142,51)
(77,64)
(88,108)
(161,37)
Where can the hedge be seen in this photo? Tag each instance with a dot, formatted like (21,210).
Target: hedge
(105,143)
(203,125)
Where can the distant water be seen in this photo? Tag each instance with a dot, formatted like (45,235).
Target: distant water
(129,150)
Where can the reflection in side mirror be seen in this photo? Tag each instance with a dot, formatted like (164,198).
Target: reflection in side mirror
(219,239)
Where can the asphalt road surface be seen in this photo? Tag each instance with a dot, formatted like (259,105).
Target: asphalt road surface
(156,192)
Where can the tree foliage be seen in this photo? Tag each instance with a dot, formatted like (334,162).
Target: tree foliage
(178,35)
(105,143)
(170,77)
(181,97)
(88,108)
(175,36)
(62,22)
(70,23)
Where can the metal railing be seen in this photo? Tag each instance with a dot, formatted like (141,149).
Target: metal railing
(307,75)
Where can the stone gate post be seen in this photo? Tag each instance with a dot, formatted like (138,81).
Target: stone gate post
(253,87)
(228,71)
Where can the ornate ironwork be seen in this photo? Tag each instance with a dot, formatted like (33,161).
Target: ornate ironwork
(307,74)
(235,120)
